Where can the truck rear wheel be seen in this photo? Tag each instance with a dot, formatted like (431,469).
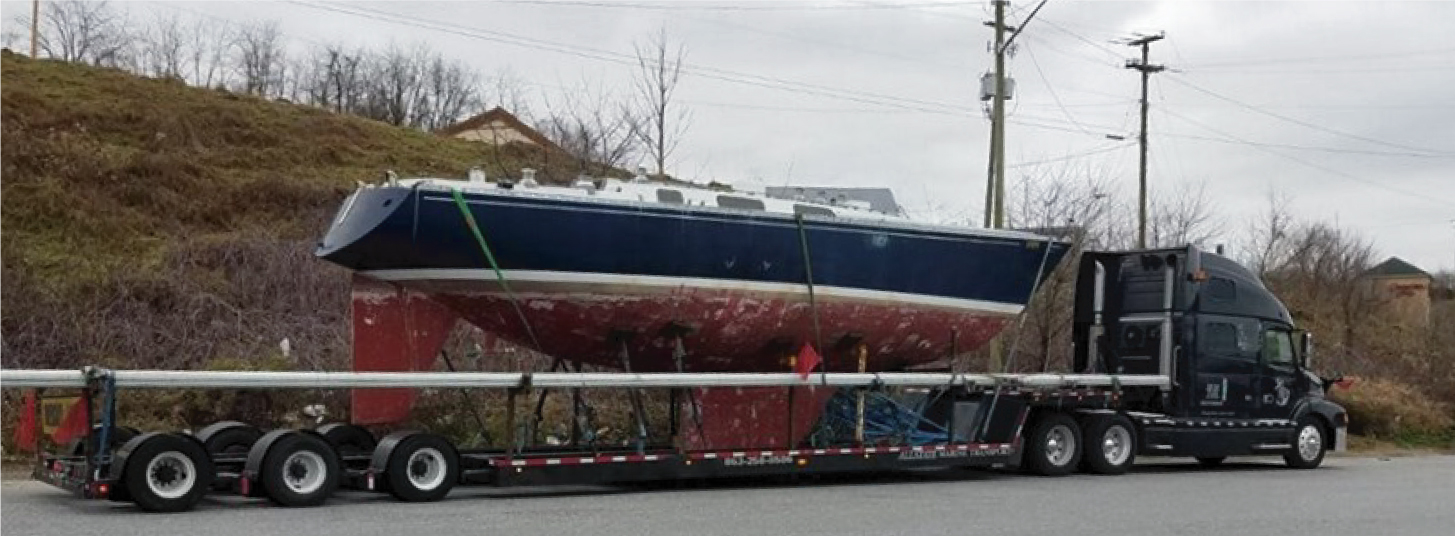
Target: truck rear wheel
(348,439)
(1054,446)
(300,469)
(1308,444)
(422,468)
(166,472)
(229,437)
(1111,444)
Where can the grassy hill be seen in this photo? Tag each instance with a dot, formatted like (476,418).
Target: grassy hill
(147,223)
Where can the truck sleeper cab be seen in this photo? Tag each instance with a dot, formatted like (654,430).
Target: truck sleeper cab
(1241,382)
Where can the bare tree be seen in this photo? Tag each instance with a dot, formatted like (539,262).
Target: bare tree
(590,125)
(450,88)
(1264,243)
(1072,206)
(1181,217)
(92,32)
(208,49)
(261,61)
(663,122)
(164,48)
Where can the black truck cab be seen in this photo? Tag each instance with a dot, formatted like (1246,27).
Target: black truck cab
(1239,370)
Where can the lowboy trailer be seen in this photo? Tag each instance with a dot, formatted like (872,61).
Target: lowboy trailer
(1178,353)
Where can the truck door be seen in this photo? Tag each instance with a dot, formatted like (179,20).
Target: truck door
(1278,374)
(1226,365)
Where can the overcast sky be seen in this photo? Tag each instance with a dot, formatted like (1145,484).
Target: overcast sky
(1349,107)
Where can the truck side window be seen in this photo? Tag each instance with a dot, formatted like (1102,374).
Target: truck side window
(1233,338)
(1222,289)
(1278,348)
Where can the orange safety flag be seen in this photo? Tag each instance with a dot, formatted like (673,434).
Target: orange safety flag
(25,431)
(808,359)
(74,424)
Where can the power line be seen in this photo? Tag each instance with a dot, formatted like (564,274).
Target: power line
(1320,59)
(1074,156)
(768,82)
(1306,124)
(1336,172)
(1051,88)
(764,6)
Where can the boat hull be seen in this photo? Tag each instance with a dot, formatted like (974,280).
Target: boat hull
(642,286)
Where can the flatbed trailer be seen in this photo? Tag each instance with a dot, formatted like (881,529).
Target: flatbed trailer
(993,413)
(1178,353)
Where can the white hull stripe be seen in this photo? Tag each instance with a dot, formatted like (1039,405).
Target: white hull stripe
(586,279)
(800,454)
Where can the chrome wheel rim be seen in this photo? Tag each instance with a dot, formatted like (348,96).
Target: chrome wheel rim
(171,475)
(1116,444)
(1060,445)
(426,469)
(304,472)
(1310,442)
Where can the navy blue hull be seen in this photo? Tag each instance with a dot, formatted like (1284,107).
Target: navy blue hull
(397,228)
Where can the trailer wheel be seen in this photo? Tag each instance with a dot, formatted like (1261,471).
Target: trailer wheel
(1308,444)
(229,437)
(1111,445)
(348,439)
(119,436)
(1054,446)
(1211,461)
(167,473)
(422,468)
(300,469)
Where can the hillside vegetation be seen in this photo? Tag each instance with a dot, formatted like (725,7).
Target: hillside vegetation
(148,223)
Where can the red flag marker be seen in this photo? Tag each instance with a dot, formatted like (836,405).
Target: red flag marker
(25,431)
(808,359)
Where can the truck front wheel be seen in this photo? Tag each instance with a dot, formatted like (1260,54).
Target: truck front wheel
(1308,444)
(1111,444)
(1054,446)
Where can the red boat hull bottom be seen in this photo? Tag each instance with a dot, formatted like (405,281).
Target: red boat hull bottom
(402,326)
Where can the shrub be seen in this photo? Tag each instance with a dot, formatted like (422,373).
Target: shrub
(1391,410)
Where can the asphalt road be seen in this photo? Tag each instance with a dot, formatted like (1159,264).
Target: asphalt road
(1348,496)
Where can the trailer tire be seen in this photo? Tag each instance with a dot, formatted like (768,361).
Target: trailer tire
(119,436)
(1111,444)
(165,472)
(1211,461)
(422,468)
(229,437)
(299,469)
(1053,447)
(1309,444)
(348,438)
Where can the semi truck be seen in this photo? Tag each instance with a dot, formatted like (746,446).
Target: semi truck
(1176,352)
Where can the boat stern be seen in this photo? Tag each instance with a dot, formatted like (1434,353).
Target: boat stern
(370,214)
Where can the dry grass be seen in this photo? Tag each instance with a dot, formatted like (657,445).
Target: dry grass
(1388,410)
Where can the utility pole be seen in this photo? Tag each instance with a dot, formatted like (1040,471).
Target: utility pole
(995,172)
(1147,69)
(34,27)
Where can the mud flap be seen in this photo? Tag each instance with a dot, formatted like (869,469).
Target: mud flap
(394,330)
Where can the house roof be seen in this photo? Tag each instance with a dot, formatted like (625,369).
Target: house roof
(493,115)
(1395,266)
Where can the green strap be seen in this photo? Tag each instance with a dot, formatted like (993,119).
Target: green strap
(490,257)
(812,298)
